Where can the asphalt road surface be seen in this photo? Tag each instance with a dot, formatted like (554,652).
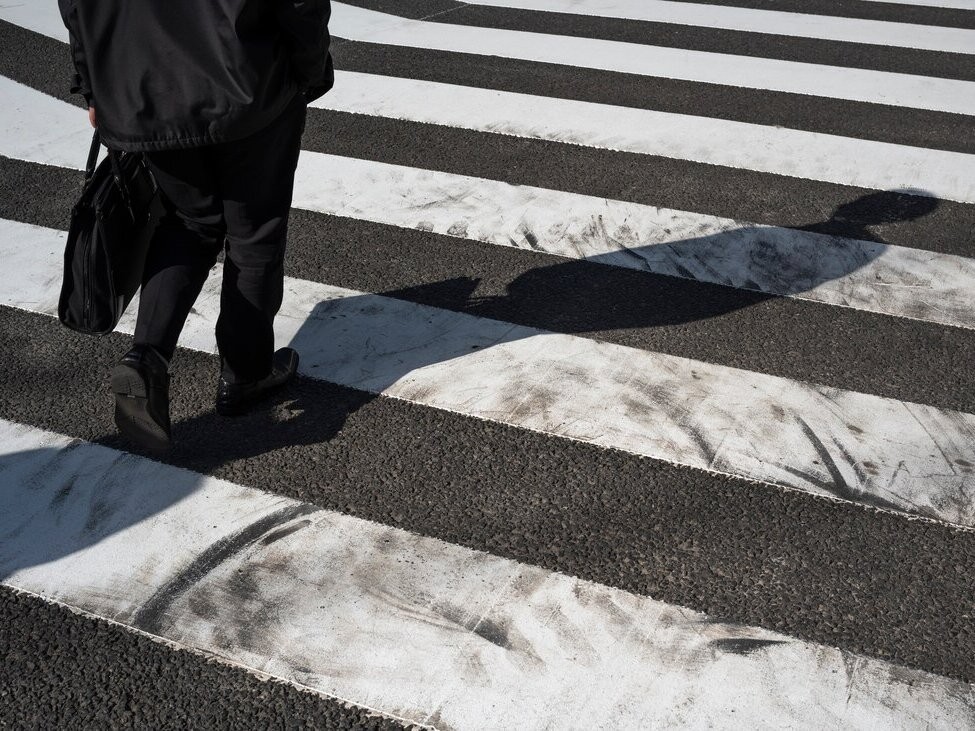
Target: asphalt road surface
(636,389)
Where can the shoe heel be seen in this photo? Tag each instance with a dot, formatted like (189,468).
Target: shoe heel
(132,415)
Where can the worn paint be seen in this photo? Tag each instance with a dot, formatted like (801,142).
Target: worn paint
(864,275)
(751,20)
(409,625)
(852,446)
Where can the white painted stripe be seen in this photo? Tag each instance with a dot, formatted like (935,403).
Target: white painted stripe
(817,439)
(776,150)
(879,87)
(868,276)
(774,22)
(39,128)
(408,625)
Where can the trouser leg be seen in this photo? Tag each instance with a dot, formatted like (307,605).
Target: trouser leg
(256,180)
(253,284)
(184,247)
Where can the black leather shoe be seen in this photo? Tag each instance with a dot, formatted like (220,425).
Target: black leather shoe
(234,399)
(140,383)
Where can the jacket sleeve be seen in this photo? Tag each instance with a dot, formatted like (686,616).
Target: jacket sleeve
(81,82)
(305,26)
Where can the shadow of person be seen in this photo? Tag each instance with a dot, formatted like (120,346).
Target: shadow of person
(691,279)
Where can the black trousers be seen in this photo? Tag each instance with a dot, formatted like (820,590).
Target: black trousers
(235,197)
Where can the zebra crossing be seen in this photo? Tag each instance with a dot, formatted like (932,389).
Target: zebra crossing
(457,297)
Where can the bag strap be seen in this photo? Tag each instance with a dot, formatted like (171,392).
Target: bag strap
(92,156)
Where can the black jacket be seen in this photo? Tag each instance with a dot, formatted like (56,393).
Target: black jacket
(164,74)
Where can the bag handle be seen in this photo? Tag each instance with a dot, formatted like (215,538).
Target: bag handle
(113,158)
(120,182)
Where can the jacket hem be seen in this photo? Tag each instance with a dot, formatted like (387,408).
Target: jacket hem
(152,144)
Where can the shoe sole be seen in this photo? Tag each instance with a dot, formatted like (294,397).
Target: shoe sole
(132,410)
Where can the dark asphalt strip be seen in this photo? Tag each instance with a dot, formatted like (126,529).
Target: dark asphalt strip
(838,347)
(64,670)
(37,61)
(897,125)
(919,128)
(837,574)
(657,181)
(714,40)
(38,194)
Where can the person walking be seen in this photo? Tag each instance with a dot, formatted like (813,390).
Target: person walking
(215,95)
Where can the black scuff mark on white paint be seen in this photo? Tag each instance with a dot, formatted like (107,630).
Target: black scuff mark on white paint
(839,487)
(41,477)
(283,532)
(743,645)
(98,514)
(532,239)
(202,604)
(492,632)
(858,468)
(444,615)
(62,493)
(151,615)
(255,615)
(851,665)
(486,629)
(709,453)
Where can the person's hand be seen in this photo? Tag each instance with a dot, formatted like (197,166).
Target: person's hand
(91,117)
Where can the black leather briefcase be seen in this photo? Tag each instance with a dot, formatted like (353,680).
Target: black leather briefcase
(107,242)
